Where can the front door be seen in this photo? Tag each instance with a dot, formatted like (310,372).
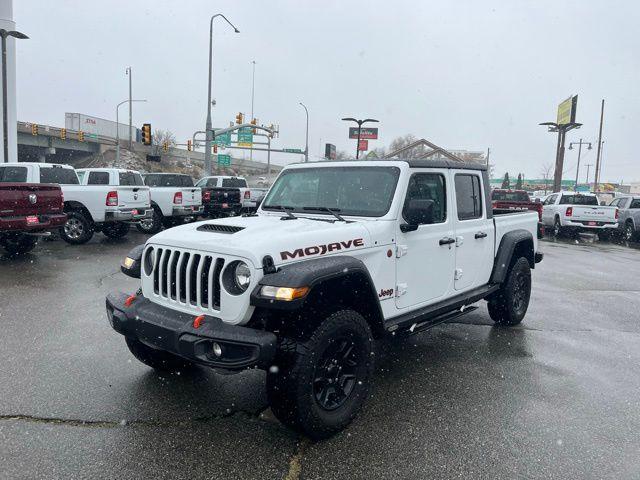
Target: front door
(474,233)
(424,263)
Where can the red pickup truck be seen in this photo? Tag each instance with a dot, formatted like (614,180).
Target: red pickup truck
(27,211)
(502,199)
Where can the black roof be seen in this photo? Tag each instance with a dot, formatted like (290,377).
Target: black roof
(415,163)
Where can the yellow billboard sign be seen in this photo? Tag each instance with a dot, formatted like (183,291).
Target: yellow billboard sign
(567,110)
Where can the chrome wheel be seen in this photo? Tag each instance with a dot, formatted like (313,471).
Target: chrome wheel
(628,232)
(74,228)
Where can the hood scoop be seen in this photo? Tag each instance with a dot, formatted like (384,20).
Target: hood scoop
(218,228)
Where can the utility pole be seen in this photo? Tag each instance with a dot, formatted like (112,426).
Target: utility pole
(253,87)
(588,165)
(596,186)
(580,143)
(128,72)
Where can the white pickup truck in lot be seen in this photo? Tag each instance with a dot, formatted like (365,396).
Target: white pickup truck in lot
(250,196)
(571,212)
(92,208)
(339,254)
(174,200)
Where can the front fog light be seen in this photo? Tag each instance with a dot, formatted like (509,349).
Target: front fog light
(217,349)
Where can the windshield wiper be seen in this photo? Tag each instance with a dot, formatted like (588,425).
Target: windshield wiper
(286,210)
(332,211)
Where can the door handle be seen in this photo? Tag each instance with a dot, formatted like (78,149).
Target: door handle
(447,241)
(480,235)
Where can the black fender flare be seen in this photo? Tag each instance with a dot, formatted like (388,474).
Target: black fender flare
(71,205)
(520,241)
(315,273)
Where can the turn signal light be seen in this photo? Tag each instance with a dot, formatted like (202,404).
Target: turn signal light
(284,293)
(569,212)
(112,199)
(206,196)
(129,300)
(177,198)
(247,194)
(617,214)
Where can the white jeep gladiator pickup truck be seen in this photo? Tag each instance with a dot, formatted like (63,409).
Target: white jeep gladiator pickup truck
(571,212)
(92,208)
(174,200)
(338,255)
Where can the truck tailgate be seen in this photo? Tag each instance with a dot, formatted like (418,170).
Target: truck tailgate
(587,213)
(30,199)
(191,196)
(133,196)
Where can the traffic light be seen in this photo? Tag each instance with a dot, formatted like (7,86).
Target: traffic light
(239,118)
(34,129)
(254,122)
(189,146)
(146,134)
(165,146)
(63,133)
(80,136)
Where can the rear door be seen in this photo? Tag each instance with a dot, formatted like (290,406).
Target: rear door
(425,259)
(132,192)
(474,231)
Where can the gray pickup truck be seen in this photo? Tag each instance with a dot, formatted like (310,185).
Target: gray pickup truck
(629,216)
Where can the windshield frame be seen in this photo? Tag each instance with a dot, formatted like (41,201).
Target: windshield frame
(300,209)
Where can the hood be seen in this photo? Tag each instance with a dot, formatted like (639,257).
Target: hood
(254,237)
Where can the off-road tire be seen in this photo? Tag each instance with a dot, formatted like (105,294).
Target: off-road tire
(115,229)
(157,359)
(509,305)
(78,228)
(301,387)
(151,227)
(18,244)
(630,234)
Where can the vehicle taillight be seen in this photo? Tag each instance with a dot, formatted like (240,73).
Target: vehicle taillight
(617,214)
(206,196)
(112,199)
(569,212)
(247,194)
(177,198)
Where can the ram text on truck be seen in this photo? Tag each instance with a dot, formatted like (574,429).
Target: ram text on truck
(338,255)
(27,210)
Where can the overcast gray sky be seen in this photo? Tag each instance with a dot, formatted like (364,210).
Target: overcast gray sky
(463,74)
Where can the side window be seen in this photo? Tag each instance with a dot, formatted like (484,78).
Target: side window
(428,186)
(635,203)
(212,182)
(13,175)
(468,196)
(615,203)
(551,200)
(98,178)
(624,203)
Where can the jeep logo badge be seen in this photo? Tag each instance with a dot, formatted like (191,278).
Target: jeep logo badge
(135,196)
(33,198)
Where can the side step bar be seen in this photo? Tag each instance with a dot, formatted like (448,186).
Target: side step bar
(427,324)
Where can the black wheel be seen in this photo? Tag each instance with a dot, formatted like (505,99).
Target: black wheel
(78,228)
(630,234)
(115,229)
(320,383)
(152,225)
(157,359)
(509,305)
(557,228)
(18,244)
(604,235)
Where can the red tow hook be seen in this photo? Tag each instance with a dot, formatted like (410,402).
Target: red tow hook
(129,300)
(198,321)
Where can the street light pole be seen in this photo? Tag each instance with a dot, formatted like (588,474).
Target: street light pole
(118,125)
(306,144)
(562,130)
(128,72)
(360,123)
(580,143)
(5,107)
(208,127)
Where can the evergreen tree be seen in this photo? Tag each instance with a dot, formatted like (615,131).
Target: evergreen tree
(519,182)
(505,183)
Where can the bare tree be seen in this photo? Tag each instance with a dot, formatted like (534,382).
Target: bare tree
(342,155)
(162,136)
(546,174)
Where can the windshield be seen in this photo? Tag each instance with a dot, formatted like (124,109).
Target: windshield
(578,200)
(501,195)
(234,182)
(359,191)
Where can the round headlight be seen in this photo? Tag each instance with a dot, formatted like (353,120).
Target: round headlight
(242,276)
(149,260)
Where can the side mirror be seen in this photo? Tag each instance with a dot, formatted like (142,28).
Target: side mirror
(132,262)
(418,212)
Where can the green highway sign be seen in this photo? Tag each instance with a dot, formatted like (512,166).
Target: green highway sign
(245,136)
(224,160)
(292,150)
(223,139)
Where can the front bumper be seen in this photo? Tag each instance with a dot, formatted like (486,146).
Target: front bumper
(22,225)
(187,210)
(128,215)
(172,331)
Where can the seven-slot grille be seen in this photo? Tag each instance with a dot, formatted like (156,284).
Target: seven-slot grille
(192,279)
